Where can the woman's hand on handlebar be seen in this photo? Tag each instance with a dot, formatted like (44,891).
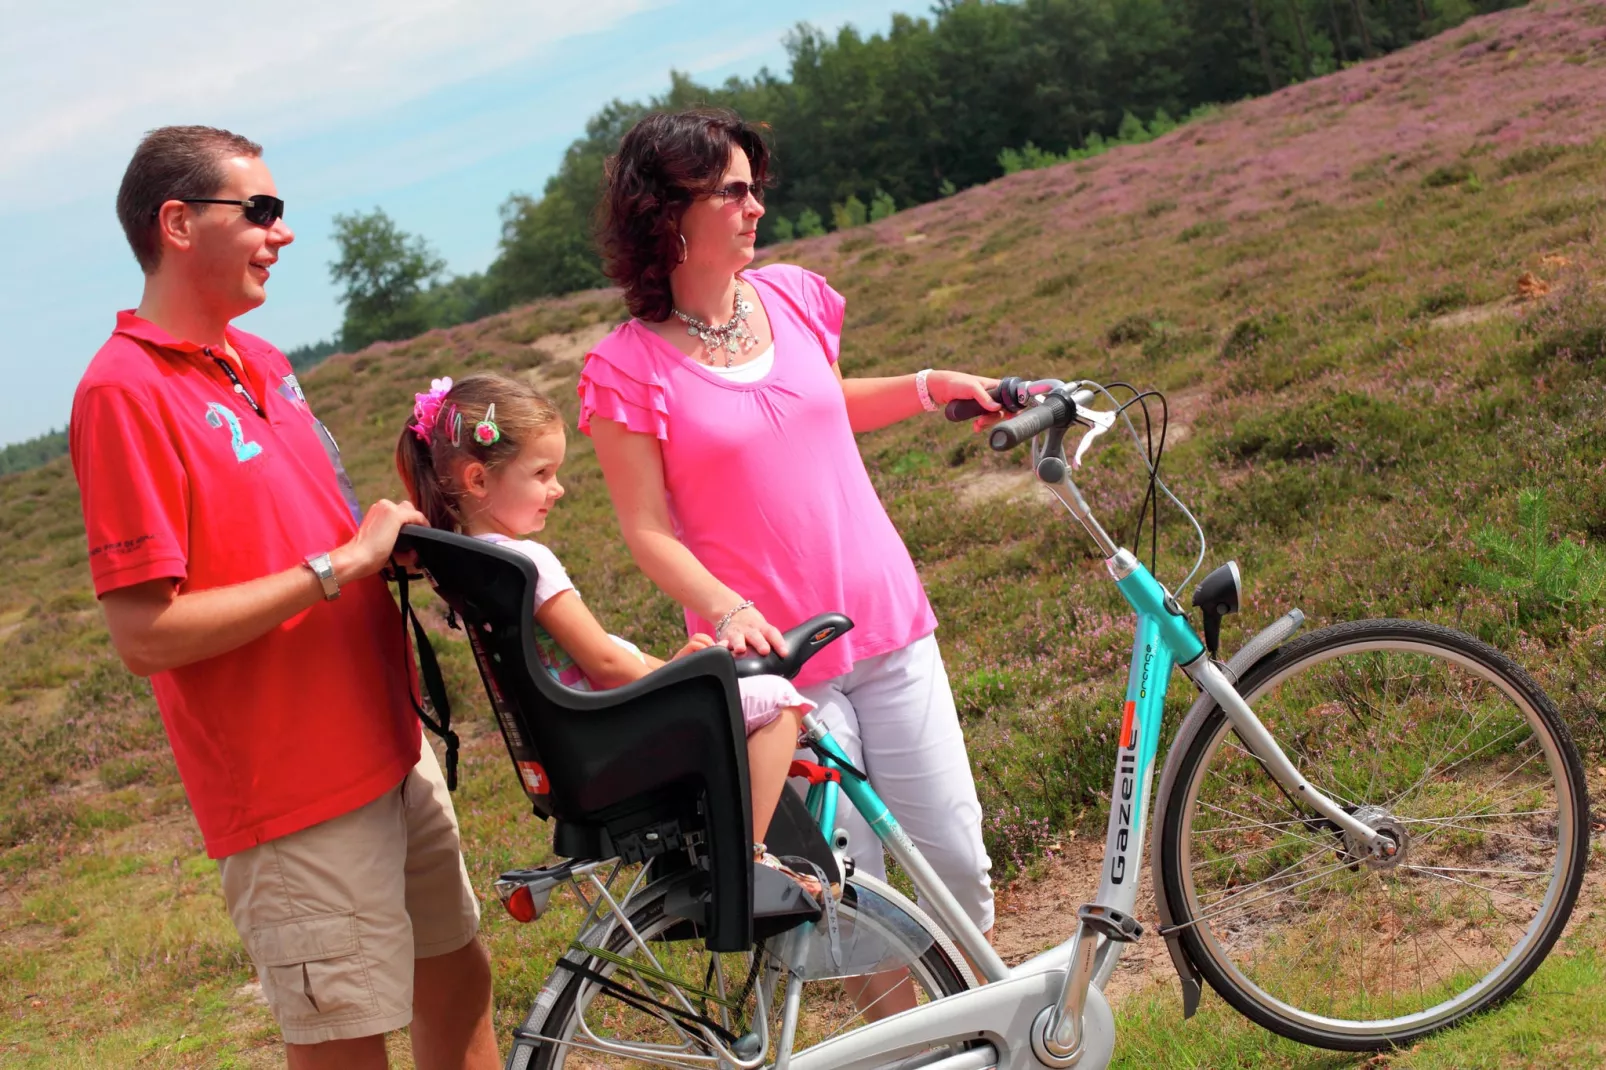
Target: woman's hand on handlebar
(948,386)
(748,630)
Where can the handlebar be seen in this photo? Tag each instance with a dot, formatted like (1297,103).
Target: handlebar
(1012,393)
(1053,411)
(1058,405)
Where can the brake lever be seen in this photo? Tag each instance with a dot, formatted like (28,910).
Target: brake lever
(1098,423)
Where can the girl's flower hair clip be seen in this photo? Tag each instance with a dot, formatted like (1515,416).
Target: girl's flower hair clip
(427,407)
(486,433)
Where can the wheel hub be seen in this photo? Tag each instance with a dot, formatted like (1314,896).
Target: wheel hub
(1396,840)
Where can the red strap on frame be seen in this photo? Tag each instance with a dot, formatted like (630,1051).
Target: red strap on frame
(815,774)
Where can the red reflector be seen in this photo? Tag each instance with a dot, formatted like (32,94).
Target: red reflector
(1128,722)
(521,905)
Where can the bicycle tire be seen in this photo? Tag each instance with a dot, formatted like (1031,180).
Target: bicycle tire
(1475,673)
(553,1016)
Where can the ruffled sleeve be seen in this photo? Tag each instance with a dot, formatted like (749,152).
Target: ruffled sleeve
(620,383)
(825,307)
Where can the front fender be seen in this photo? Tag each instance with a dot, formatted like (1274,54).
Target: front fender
(1268,640)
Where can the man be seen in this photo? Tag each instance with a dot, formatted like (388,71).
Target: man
(234,569)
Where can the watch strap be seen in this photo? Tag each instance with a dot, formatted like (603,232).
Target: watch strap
(324,568)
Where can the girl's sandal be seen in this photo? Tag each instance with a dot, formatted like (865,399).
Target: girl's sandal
(808,883)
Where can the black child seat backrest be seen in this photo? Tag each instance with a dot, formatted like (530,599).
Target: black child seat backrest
(629,771)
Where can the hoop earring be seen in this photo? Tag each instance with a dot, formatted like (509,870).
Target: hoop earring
(682,259)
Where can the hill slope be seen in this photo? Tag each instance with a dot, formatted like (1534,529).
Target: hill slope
(1374,300)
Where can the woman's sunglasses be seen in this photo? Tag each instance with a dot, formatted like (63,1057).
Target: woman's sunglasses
(738,192)
(261,209)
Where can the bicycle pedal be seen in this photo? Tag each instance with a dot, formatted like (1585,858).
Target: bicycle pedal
(1110,923)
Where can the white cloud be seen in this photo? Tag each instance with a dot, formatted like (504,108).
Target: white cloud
(77,91)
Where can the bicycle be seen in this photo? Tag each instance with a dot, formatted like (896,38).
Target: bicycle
(1365,835)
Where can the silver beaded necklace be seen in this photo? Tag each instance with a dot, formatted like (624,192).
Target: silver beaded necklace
(725,336)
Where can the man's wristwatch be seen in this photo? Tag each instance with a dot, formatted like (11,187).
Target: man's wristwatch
(324,569)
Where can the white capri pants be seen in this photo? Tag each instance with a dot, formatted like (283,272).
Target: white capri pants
(894,716)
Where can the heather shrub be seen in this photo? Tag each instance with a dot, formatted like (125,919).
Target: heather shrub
(1056,284)
(984,692)
(1571,326)
(1352,424)
(1039,771)
(1169,340)
(1134,329)
(1449,175)
(1250,334)
(1441,300)
(108,713)
(1208,228)
(1532,158)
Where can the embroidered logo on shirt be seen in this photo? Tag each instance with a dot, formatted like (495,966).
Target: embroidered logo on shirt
(220,415)
(291,390)
(122,546)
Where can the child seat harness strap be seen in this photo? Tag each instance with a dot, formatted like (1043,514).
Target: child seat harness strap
(429,671)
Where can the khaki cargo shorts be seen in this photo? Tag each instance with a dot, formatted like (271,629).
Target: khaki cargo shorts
(334,915)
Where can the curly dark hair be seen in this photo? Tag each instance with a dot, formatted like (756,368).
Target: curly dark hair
(664,163)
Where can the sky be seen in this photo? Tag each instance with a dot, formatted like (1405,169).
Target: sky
(433,111)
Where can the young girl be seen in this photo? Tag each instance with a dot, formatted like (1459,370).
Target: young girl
(481,456)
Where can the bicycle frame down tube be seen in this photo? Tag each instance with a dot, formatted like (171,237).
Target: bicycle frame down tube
(1161,639)
(1136,747)
(934,894)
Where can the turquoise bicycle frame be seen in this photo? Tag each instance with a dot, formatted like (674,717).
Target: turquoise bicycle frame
(1164,639)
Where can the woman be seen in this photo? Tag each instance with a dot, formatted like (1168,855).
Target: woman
(725,432)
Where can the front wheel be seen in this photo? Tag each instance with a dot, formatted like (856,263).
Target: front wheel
(1433,738)
(650,993)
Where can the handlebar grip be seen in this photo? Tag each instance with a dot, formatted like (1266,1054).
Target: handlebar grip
(1010,393)
(963,409)
(1017,429)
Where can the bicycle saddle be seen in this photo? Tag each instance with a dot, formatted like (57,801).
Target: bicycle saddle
(802,643)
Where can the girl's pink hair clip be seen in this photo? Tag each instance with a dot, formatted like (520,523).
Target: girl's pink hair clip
(427,407)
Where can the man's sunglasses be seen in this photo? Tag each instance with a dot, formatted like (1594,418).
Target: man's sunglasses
(738,192)
(261,209)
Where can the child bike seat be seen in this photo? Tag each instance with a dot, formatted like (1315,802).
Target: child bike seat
(637,771)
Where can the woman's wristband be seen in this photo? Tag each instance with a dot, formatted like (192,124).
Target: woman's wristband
(724,621)
(924,393)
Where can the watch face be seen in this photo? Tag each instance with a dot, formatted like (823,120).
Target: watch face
(324,569)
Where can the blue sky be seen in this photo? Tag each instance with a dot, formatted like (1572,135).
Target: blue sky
(433,111)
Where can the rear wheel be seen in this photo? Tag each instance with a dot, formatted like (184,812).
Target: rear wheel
(1430,736)
(579,1022)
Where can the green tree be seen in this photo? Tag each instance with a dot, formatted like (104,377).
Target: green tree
(934,104)
(882,205)
(384,271)
(809,224)
(21,456)
(1542,574)
(312,354)
(849,214)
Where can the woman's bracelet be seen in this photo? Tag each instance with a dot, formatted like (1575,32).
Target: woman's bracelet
(726,619)
(925,394)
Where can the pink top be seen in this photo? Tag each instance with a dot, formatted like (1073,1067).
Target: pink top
(766,485)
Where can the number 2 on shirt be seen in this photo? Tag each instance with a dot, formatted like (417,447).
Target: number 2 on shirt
(217,415)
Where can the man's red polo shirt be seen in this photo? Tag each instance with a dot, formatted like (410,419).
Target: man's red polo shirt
(182,479)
